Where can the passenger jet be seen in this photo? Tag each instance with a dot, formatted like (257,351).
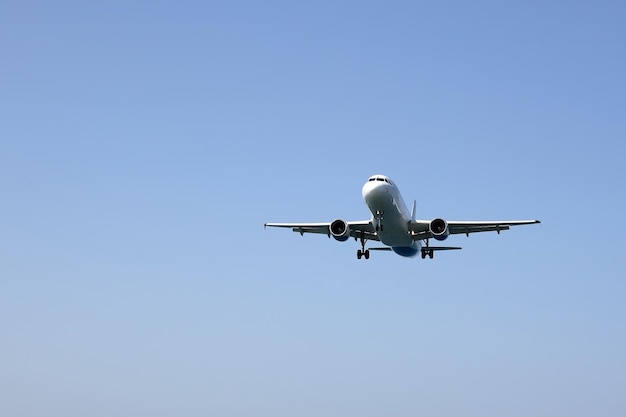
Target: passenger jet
(394,226)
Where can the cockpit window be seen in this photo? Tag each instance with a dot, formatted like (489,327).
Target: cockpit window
(380,179)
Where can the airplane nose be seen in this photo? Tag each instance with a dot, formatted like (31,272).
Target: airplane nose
(367,187)
(373,189)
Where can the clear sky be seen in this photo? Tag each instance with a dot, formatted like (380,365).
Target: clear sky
(143,144)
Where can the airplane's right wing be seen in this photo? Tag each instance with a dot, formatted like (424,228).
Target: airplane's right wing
(356,229)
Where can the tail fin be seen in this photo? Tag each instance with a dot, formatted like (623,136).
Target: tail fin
(413,210)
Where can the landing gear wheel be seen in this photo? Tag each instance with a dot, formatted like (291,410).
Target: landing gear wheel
(363,252)
(427,251)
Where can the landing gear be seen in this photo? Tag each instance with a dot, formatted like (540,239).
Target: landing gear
(363,252)
(379,223)
(427,251)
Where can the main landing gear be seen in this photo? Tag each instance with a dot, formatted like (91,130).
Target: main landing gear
(363,252)
(427,251)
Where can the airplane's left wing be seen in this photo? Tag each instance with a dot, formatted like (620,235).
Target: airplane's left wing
(357,229)
(420,229)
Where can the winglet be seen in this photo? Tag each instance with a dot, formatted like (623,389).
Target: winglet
(413,210)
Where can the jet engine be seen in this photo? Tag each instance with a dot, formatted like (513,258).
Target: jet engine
(439,229)
(339,230)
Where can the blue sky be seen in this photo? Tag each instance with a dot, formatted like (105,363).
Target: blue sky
(144,144)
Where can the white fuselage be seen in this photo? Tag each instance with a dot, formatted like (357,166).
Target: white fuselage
(390,215)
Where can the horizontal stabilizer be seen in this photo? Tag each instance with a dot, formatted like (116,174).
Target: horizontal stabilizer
(436,248)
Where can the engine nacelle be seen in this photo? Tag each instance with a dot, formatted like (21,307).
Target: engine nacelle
(340,230)
(439,229)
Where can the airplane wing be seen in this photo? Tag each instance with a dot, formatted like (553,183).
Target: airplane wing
(357,228)
(420,228)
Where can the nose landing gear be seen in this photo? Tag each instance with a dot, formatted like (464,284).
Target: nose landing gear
(379,223)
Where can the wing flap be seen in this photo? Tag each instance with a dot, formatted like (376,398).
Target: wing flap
(467,229)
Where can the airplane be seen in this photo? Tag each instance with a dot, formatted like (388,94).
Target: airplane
(395,227)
